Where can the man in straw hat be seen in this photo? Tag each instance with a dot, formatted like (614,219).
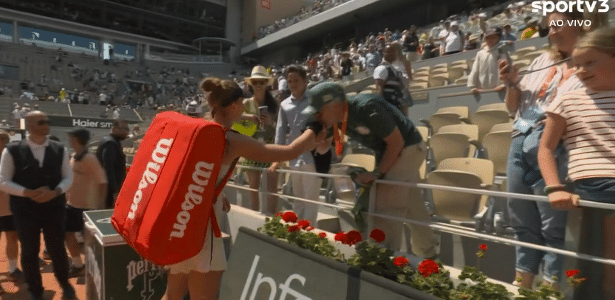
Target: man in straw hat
(400,152)
(261,109)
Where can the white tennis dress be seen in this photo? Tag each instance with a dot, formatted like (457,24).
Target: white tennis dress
(212,256)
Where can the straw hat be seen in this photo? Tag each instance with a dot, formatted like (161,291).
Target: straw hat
(259,72)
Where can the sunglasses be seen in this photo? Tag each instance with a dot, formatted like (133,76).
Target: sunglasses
(43,122)
(259,82)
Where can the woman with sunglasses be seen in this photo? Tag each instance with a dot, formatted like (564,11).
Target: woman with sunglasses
(262,107)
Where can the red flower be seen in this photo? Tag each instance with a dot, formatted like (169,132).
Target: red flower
(279,214)
(400,261)
(341,237)
(310,228)
(353,237)
(428,267)
(322,235)
(572,272)
(289,217)
(303,224)
(483,247)
(377,235)
(293,228)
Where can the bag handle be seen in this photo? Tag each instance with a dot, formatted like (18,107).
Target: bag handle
(218,190)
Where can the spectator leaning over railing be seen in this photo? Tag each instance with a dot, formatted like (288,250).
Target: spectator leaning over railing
(484,74)
(399,149)
(585,120)
(527,98)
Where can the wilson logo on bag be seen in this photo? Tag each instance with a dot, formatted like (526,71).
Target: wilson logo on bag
(170,186)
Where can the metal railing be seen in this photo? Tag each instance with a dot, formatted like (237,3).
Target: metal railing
(440,226)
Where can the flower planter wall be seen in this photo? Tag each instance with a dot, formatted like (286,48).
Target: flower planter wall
(261,267)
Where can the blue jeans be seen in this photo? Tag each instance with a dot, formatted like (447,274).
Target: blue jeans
(534,222)
(590,242)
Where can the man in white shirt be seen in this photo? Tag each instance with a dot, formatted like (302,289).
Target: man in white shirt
(453,41)
(485,73)
(36,173)
(443,34)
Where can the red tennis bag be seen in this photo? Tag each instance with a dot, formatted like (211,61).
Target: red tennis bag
(165,203)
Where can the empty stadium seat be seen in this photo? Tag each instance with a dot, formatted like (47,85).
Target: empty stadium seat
(522,63)
(449,145)
(454,205)
(502,127)
(521,52)
(485,120)
(438,80)
(497,145)
(418,85)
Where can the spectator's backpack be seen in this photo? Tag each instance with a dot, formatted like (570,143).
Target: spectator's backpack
(393,88)
(166,202)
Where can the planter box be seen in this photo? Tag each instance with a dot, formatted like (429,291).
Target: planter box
(262,267)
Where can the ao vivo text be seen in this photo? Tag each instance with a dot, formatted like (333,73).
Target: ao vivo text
(577,23)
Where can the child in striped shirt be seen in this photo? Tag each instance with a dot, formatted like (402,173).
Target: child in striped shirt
(585,120)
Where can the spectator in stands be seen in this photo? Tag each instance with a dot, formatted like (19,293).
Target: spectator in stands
(399,149)
(390,81)
(372,60)
(116,114)
(453,42)
(62,95)
(443,34)
(283,89)
(346,64)
(7,226)
(411,41)
(136,131)
(429,49)
(16,115)
(289,127)
(112,158)
(530,30)
(36,173)
(4,124)
(593,174)
(537,222)
(88,192)
(484,74)
(508,36)
(260,82)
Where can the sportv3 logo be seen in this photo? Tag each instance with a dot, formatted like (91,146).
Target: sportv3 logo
(568,6)
(285,288)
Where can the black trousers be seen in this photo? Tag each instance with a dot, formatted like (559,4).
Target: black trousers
(30,218)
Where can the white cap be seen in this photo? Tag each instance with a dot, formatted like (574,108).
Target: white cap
(482,15)
(454,23)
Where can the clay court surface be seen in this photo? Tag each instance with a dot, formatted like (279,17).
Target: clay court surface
(19,291)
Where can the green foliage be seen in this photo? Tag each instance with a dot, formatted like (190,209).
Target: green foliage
(275,227)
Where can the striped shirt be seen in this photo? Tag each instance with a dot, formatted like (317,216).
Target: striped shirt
(590,132)
(531,85)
